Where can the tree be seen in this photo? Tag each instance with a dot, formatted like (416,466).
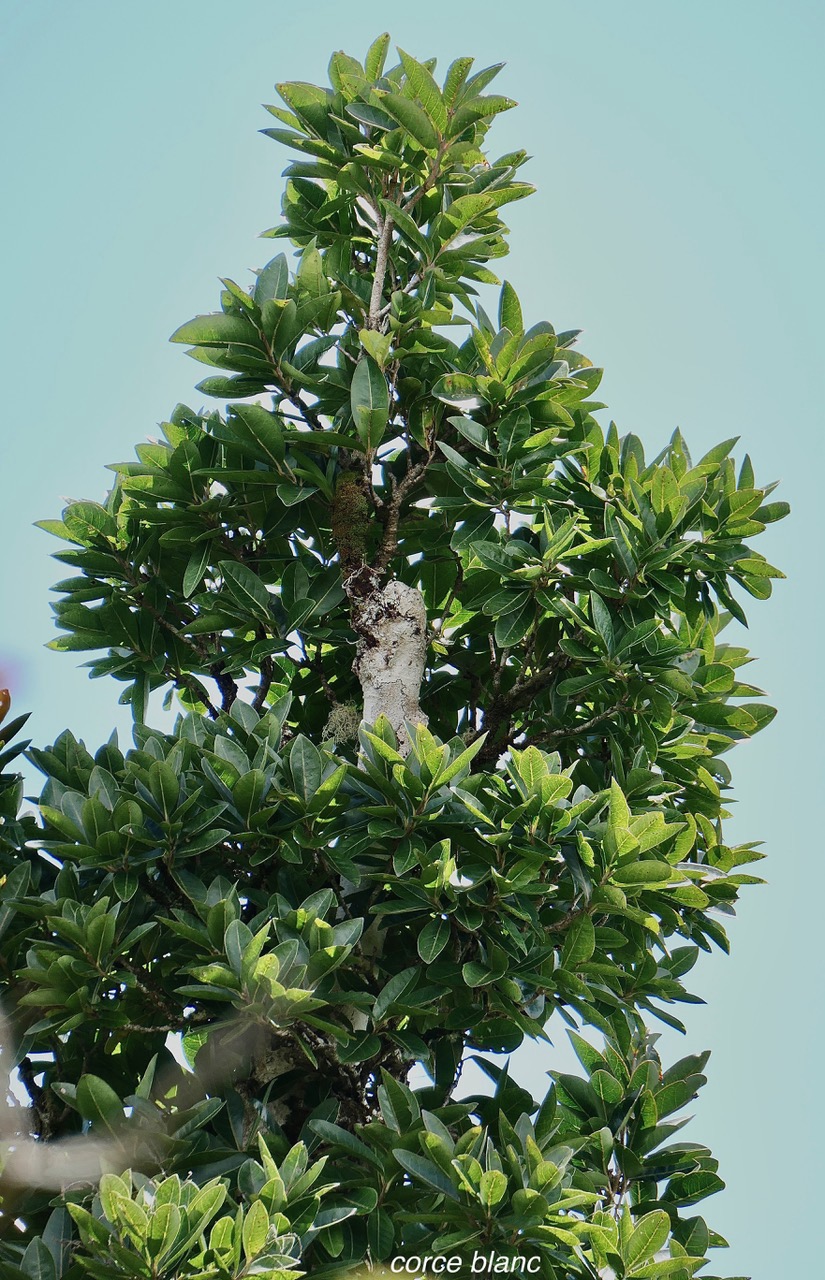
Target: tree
(449,764)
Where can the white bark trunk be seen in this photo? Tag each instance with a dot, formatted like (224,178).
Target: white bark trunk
(392,625)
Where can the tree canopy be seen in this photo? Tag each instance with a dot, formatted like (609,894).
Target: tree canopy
(449,766)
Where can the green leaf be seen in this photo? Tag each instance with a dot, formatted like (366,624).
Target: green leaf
(473,431)
(514,625)
(255,1230)
(58,530)
(460,214)
(376,345)
(380,1234)
(409,228)
(693,1187)
(455,78)
(425,1171)
(392,993)
(164,785)
(412,118)
(672,1097)
(98,1102)
(310,103)
(619,813)
(433,938)
(88,523)
(719,452)
(677,1268)
(38,1263)
(273,281)
(205,1204)
(336,1136)
(370,402)
(480,80)
(398,1103)
(622,542)
(476,975)
(772,511)
(492,1188)
(426,91)
(648,1237)
(163,1227)
(478,109)
(263,429)
(218,329)
(447,772)
(376,56)
(579,943)
(509,310)
(607,1088)
(231,388)
(306,765)
(460,390)
(292,494)
(311,272)
(369,115)
(246,589)
(125,885)
(195,568)
(643,872)
(603,622)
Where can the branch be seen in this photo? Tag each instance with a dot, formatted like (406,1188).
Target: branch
(585,725)
(137,583)
(377,312)
(265,683)
(308,414)
(560,926)
(317,665)
(181,1024)
(389,544)
(553,736)
(226,685)
(285,392)
(501,709)
(430,179)
(183,681)
(408,288)
(40,1098)
(385,226)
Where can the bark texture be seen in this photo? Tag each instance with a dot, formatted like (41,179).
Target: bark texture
(391,622)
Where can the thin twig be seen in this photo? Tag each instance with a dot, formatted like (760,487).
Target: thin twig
(408,288)
(389,544)
(306,411)
(584,726)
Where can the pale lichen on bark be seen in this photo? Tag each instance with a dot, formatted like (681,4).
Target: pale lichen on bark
(391,622)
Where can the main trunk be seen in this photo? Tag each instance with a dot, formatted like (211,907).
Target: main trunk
(391,622)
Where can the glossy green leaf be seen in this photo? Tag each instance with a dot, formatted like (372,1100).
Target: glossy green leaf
(413,119)
(98,1102)
(370,402)
(246,588)
(433,939)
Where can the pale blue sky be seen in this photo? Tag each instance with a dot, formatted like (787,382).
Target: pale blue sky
(678,157)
